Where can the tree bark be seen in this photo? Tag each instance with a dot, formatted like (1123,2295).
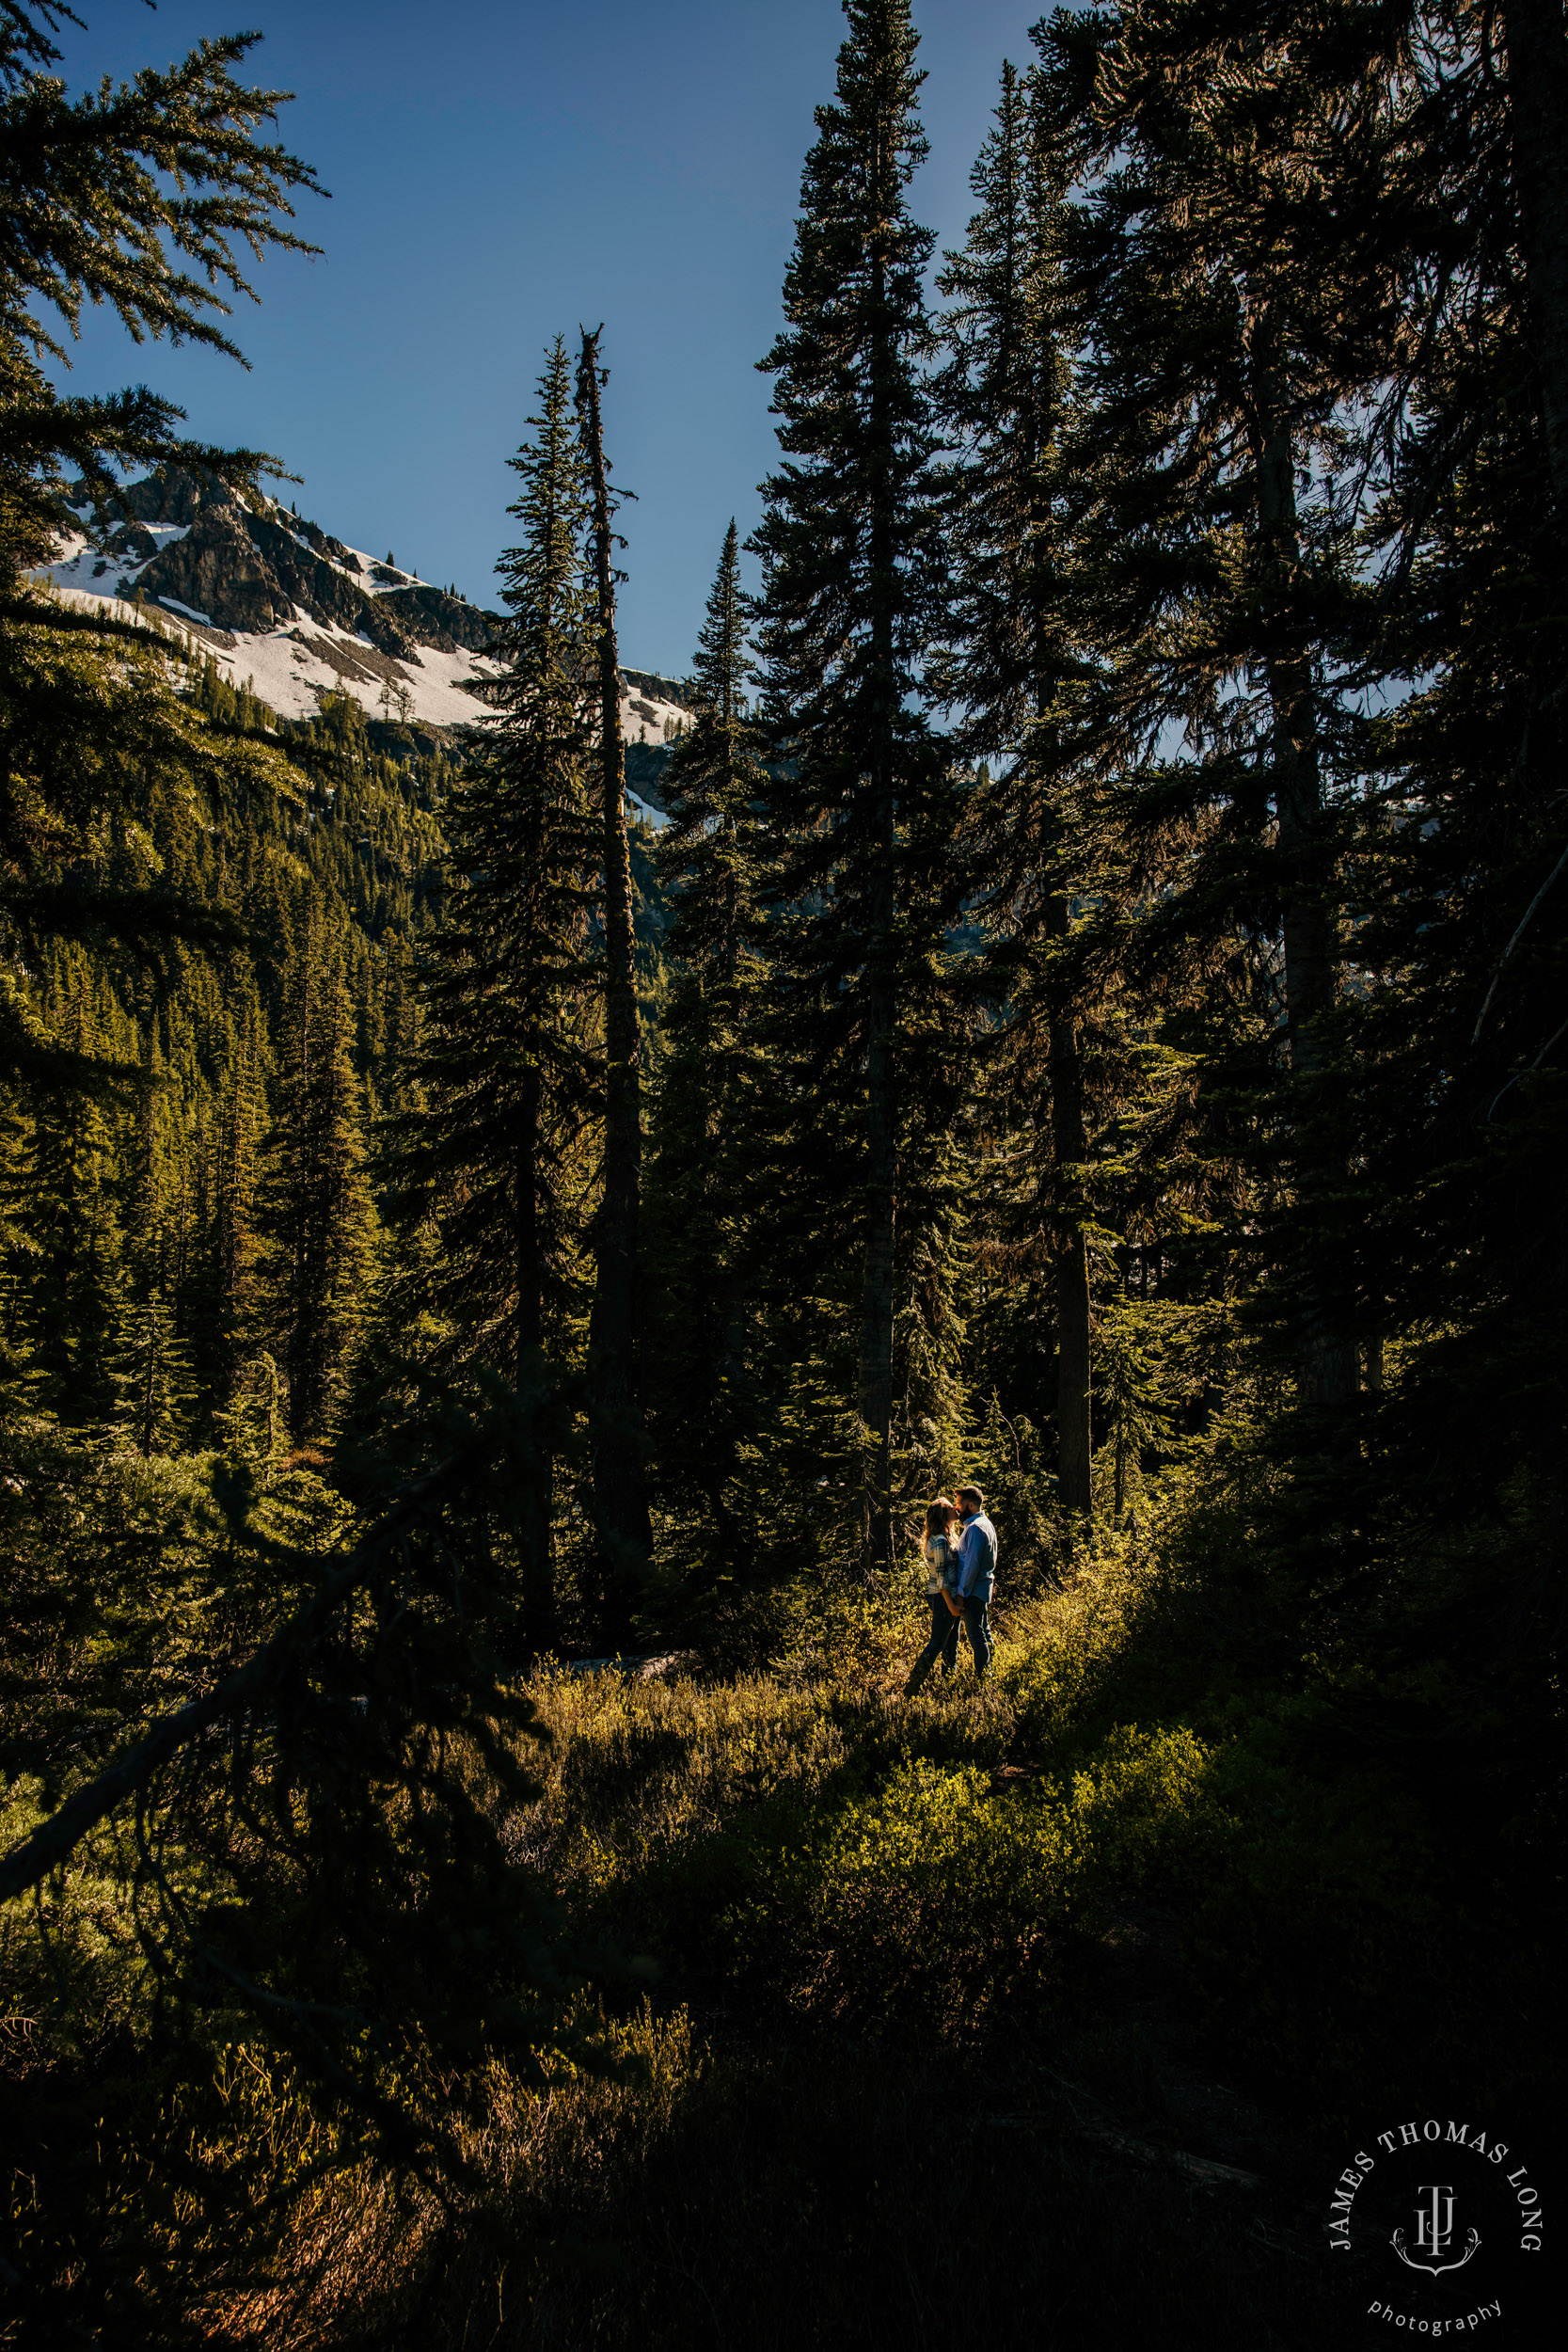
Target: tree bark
(620,1491)
(1328,1362)
(1536,35)
(541,1630)
(1069,1141)
(1026,361)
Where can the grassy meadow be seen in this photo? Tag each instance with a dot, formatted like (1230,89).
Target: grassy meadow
(1036,2013)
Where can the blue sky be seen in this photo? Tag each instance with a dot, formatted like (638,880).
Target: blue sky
(499,173)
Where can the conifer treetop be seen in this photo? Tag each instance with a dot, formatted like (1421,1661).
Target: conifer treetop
(714,784)
(720,668)
(860,260)
(849,529)
(545,589)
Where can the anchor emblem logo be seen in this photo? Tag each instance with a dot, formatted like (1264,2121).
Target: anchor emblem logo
(1434,2235)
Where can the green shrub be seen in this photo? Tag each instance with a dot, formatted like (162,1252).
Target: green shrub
(939,1886)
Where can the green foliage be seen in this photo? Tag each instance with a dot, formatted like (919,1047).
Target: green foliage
(314,1206)
(332,1902)
(1166,1058)
(108,196)
(860,801)
(939,1889)
(710,858)
(493,1149)
(1134,1383)
(151,1378)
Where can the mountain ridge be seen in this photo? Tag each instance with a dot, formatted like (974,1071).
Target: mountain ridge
(296,613)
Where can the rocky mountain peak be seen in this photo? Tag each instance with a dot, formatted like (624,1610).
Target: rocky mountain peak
(296,612)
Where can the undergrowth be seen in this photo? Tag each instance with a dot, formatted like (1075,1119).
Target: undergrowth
(896,1972)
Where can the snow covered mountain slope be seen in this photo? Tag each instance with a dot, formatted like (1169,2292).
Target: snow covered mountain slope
(294,614)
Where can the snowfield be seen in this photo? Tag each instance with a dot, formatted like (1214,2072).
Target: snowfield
(290,666)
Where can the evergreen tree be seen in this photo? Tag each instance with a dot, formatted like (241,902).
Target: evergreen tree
(1536,35)
(1456,1103)
(1214,574)
(72,1252)
(506,1075)
(850,549)
(77,1292)
(240,1134)
(317,1210)
(136,195)
(710,862)
(151,1376)
(505,1065)
(620,1485)
(1305,259)
(251,1426)
(1004,393)
(713,785)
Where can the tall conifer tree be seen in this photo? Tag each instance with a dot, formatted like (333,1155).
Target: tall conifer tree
(502,1088)
(713,785)
(709,862)
(1219,356)
(317,1197)
(136,196)
(73,1272)
(1004,393)
(1457,1107)
(505,1066)
(849,549)
(1536,35)
(214,1242)
(620,1482)
(151,1376)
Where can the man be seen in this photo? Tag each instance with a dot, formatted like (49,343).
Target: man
(976,1574)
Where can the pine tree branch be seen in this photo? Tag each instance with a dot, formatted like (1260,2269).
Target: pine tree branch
(54,1841)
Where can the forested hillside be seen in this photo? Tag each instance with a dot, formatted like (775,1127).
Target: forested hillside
(508,1225)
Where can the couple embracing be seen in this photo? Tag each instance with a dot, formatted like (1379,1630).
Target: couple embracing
(960,1573)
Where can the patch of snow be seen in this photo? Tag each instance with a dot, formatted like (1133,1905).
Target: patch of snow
(73,562)
(88,600)
(76,557)
(645,811)
(288,673)
(264,663)
(644,718)
(287,667)
(152,617)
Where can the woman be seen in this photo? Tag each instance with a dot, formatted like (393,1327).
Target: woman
(942,1587)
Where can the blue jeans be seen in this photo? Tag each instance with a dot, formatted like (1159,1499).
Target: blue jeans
(944,1643)
(978,1627)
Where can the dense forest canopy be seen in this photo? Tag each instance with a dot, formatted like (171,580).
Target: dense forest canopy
(1091,1026)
